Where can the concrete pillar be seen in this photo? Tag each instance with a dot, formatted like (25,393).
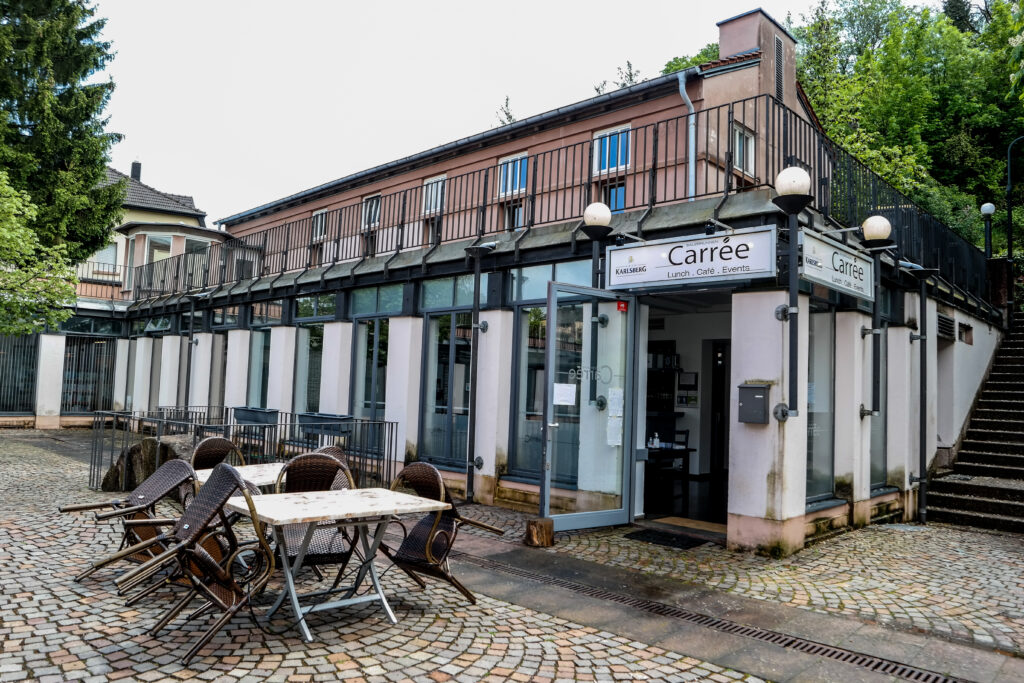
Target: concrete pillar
(494,391)
(202,362)
(120,374)
(767,462)
(901,432)
(170,358)
(236,374)
(336,368)
(49,380)
(140,382)
(853,372)
(405,360)
(280,383)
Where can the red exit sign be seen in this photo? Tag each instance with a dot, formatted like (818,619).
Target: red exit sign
(623,306)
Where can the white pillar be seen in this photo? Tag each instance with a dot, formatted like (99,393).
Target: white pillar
(236,375)
(335,368)
(493,394)
(901,431)
(120,374)
(405,358)
(140,382)
(280,383)
(767,462)
(49,380)
(170,357)
(202,363)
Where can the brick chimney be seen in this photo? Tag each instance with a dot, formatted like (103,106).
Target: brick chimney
(137,171)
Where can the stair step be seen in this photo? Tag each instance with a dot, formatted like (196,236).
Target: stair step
(986,470)
(1010,448)
(975,519)
(995,423)
(980,487)
(994,441)
(1002,395)
(988,506)
(999,411)
(989,457)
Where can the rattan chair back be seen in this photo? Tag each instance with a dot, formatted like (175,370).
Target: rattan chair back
(167,479)
(208,504)
(316,471)
(214,450)
(335,452)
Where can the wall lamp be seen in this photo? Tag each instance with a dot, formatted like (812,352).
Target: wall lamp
(597,220)
(987,209)
(793,186)
(875,232)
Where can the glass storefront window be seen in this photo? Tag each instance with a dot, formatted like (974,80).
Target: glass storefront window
(371,364)
(309,351)
(321,306)
(820,404)
(446,390)
(259,368)
(880,423)
(450,291)
(526,455)
(267,312)
(531,283)
(376,300)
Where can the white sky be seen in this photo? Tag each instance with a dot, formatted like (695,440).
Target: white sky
(238,103)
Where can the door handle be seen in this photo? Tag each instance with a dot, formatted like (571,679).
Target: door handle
(552,425)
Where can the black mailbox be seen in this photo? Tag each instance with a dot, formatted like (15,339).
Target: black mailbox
(753,404)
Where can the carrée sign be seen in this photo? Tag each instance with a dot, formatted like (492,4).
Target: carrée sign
(739,255)
(838,267)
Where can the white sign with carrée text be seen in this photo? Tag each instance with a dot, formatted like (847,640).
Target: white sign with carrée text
(838,267)
(738,255)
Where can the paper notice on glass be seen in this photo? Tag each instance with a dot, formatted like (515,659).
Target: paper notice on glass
(615,401)
(565,394)
(614,431)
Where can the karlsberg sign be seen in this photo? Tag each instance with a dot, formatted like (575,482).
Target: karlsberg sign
(837,267)
(737,255)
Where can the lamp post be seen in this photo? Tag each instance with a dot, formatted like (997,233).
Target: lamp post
(922,275)
(876,230)
(473,462)
(793,186)
(596,226)
(987,209)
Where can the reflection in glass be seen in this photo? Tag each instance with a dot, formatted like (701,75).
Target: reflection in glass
(309,351)
(259,368)
(370,385)
(446,390)
(820,409)
(525,458)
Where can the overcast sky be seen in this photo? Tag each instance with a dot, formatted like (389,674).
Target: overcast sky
(238,103)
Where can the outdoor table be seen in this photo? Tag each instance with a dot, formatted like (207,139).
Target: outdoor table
(360,508)
(258,475)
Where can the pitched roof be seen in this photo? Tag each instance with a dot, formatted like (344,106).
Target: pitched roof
(141,196)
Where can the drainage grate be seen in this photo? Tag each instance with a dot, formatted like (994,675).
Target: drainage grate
(869,662)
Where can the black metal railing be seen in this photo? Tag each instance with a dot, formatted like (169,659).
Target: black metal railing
(18,357)
(735,147)
(370,446)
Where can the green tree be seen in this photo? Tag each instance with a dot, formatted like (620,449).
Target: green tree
(504,113)
(53,144)
(627,76)
(959,14)
(37,283)
(708,53)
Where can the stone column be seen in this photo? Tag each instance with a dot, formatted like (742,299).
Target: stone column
(236,375)
(853,389)
(405,360)
(49,380)
(170,357)
(336,368)
(767,462)
(280,383)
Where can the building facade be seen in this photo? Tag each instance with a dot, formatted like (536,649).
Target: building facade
(659,387)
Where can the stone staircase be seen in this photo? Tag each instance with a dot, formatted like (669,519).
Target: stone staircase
(986,485)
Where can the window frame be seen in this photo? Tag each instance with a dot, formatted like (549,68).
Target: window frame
(521,163)
(434,189)
(318,224)
(620,131)
(371,206)
(750,144)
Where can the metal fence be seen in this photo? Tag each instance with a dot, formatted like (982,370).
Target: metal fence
(713,152)
(370,447)
(102,281)
(18,374)
(88,383)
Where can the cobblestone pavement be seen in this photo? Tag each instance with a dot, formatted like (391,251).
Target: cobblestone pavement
(962,584)
(53,629)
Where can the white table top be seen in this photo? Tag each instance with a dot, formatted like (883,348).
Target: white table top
(278,509)
(258,475)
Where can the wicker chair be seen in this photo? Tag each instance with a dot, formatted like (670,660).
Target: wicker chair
(334,545)
(214,450)
(173,479)
(425,547)
(335,452)
(213,579)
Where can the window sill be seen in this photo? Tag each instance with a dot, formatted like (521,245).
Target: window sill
(825,504)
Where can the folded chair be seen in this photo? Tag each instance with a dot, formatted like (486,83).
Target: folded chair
(425,547)
(173,478)
(214,450)
(212,579)
(318,471)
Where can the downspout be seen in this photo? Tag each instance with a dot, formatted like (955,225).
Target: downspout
(691,131)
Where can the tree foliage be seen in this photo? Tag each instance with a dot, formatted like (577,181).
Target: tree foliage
(708,53)
(37,282)
(53,144)
(504,113)
(626,77)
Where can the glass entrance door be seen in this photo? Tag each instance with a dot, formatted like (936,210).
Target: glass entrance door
(588,429)
(446,390)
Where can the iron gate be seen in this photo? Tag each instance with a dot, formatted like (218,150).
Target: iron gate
(88,375)
(18,374)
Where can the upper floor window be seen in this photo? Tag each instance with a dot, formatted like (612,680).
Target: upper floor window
(512,174)
(743,150)
(318,306)
(157,248)
(107,255)
(193,246)
(371,212)
(266,313)
(611,150)
(433,194)
(318,227)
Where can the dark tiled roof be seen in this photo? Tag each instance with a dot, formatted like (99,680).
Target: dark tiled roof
(747,56)
(141,196)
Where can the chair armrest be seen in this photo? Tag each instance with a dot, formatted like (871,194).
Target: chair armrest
(163,521)
(79,507)
(121,512)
